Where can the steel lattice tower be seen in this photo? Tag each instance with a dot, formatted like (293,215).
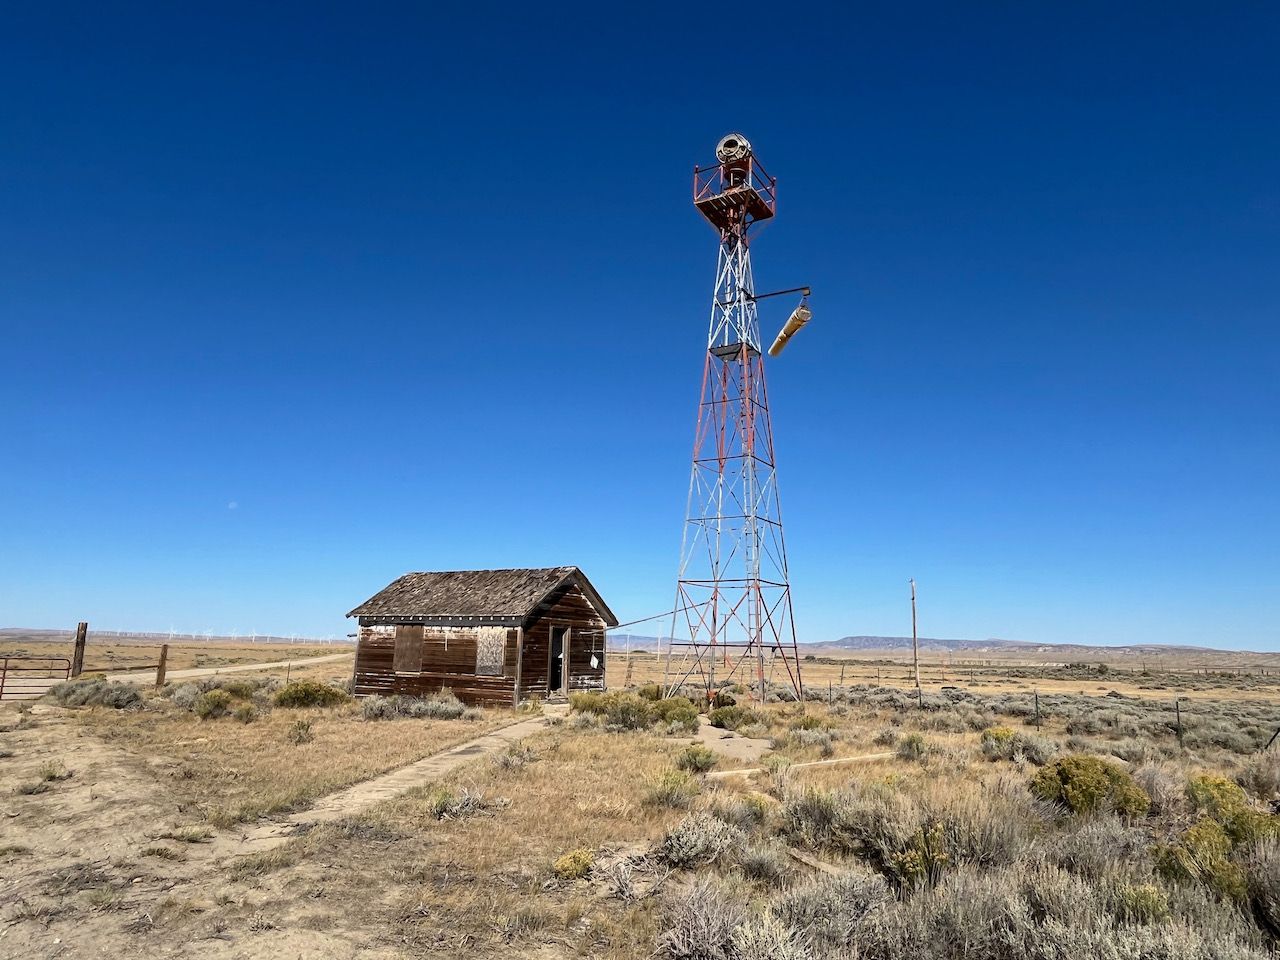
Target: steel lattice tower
(733,595)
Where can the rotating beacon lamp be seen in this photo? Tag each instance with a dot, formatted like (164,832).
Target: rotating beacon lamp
(733,592)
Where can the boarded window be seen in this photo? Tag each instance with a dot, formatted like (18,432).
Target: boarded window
(408,656)
(491,651)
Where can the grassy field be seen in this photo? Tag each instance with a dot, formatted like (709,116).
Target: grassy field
(965,824)
(1169,676)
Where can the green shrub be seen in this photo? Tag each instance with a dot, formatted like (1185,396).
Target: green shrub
(677,713)
(626,711)
(212,704)
(584,702)
(574,865)
(1086,784)
(310,693)
(1141,903)
(649,691)
(1227,804)
(1001,743)
(619,711)
(240,689)
(1202,854)
(997,743)
(245,713)
(696,759)
(674,789)
(731,718)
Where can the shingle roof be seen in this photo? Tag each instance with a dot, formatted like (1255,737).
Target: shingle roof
(476,593)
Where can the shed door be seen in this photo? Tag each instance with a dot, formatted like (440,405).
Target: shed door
(408,656)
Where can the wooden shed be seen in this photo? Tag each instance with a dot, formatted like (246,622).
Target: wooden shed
(491,636)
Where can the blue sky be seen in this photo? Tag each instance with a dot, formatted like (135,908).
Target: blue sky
(295,299)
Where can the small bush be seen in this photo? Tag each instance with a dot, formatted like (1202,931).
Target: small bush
(699,924)
(744,811)
(674,789)
(1141,903)
(1262,884)
(1227,805)
(766,862)
(245,713)
(677,714)
(1201,854)
(53,771)
(697,840)
(912,747)
(213,704)
(309,693)
(1085,784)
(997,743)
(96,691)
(763,936)
(444,804)
(649,691)
(887,737)
(731,718)
(300,732)
(184,695)
(1261,775)
(574,865)
(619,711)
(1001,743)
(1166,787)
(696,759)
(834,909)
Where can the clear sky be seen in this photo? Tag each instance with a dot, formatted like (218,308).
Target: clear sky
(296,298)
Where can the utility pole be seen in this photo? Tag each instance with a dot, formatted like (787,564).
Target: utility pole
(915,644)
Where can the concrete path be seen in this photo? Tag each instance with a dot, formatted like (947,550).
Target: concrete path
(35,689)
(865,758)
(731,745)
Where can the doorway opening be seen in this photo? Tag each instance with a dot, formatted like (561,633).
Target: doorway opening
(559,649)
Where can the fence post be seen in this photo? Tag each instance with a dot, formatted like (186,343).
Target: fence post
(77,657)
(1037,696)
(164,658)
(4,672)
(1177,713)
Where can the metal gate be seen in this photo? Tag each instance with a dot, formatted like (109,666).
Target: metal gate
(28,678)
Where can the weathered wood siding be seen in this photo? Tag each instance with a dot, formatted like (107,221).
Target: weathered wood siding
(448,661)
(567,607)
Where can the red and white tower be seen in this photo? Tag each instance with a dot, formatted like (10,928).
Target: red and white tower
(733,596)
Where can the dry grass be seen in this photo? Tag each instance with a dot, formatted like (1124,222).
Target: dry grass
(233,772)
(115,656)
(487,882)
(1195,676)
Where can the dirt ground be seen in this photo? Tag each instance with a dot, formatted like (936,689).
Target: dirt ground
(111,859)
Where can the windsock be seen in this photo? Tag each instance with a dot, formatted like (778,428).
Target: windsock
(799,317)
